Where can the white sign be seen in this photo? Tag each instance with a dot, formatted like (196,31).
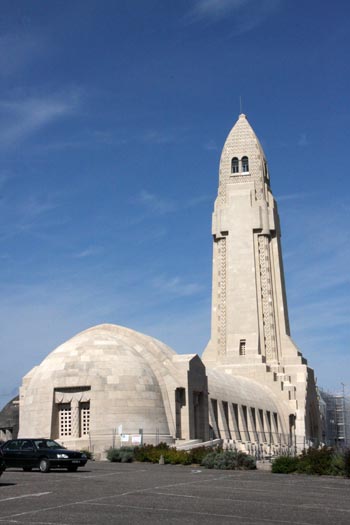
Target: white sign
(124,438)
(136,440)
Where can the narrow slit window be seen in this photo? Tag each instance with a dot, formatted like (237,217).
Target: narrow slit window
(236,420)
(234,165)
(253,418)
(225,409)
(245,165)
(245,419)
(242,345)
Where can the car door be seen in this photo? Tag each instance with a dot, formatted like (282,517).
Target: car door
(28,454)
(11,452)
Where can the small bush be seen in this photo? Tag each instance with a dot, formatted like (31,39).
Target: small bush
(246,462)
(197,454)
(322,461)
(346,463)
(228,460)
(177,457)
(149,453)
(316,461)
(285,465)
(121,455)
(209,460)
(87,453)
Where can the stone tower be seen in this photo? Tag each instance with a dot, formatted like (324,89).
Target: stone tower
(249,326)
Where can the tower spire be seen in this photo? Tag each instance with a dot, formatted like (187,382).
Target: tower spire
(249,310)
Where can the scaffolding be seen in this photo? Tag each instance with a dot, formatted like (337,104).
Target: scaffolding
(335,411)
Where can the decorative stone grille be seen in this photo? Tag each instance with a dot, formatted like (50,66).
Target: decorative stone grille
(222,296)
(267,299)
(85,418)
(65,419)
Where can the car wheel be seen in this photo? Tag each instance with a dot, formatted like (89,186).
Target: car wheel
(72,468)
(27,469)
(44,465)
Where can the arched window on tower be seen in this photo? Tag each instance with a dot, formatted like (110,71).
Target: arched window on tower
(266,171)
(245,164)
(234,165)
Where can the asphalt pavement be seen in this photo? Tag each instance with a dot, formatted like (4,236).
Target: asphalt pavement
(139,493)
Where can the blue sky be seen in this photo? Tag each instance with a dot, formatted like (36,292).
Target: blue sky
(112,119)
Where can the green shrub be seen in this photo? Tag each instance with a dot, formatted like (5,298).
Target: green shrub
(197,454)
(149,453)
(228,460)
(209,460)
(121,455)
(346,463)
(285,465)
(316,461)
(337,466)
(216,458)
(177,457)
(245,461)
(87,453)
(152,454)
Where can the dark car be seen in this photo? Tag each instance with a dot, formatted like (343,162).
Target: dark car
(2,463)
(43,454)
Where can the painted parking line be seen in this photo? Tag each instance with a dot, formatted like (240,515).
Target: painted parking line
(35,495)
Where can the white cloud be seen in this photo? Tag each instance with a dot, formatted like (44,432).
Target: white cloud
(216,8)
(176,286)
(18,51)
(4,177)
(88,252)
(155,203)
(24,116)
(303,141)
(244,14)
(198,200)
(211,145)
(26,213)
(153,136)
(158,205)
(292,196)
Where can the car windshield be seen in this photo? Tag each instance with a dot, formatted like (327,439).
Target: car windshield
(47,443)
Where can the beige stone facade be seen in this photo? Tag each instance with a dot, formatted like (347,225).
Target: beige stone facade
(110,385)
(250,328)
(110,382)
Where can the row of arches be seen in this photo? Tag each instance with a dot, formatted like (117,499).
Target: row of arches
(240,165)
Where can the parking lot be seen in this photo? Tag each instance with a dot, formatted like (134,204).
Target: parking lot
(105,492)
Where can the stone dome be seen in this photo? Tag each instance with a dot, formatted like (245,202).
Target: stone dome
(111,367)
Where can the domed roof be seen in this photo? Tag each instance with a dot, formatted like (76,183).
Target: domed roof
(112,362)
(106,338)
(106,346)
(9,416)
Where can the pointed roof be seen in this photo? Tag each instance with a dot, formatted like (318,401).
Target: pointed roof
(242,142)
(242,138)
